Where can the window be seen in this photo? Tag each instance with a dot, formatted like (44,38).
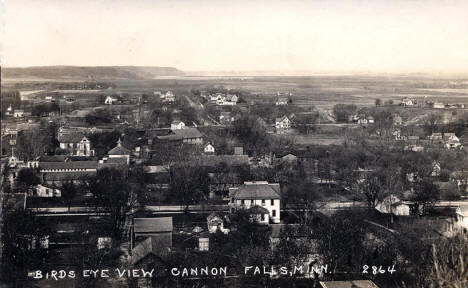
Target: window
(263,217)
(252,201)
(273,212)
(242,202)
(263,202)
(272,202)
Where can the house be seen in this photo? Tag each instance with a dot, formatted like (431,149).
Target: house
(187,135)
(281,101)
(216,223)
(18,113)
(435,169)
(257,195)
(76,144)
(462,216)
(348,284)
(393,205)
(438,105)
(282,123)
(209,148)
(217,97)
(47,192)
(159,230)
(452,141)
(109,100)
(283,98)
(177,125)
(168,97)
(407,102)
(228,100)
(119,152)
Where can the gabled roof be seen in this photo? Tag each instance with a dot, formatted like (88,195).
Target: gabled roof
(181,134)
(152,225)
(71,138)
(119,150)
(348,284)
(282,118)
(158,245)
(257,190)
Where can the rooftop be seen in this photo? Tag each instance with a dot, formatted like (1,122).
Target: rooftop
(257,190)
(152,225)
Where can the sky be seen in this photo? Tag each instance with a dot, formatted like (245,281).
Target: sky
(389,36)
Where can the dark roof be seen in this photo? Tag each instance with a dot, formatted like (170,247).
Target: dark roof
(257,190)
(158,245)
(69,165)
(180,134)
(152,225)
(71,138)
(348,284)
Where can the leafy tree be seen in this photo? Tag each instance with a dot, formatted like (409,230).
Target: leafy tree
(28,177)
(69,191)
(343,112)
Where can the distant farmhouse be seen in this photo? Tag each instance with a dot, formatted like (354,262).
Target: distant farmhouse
(168,97)
(224,99)
(283,98)
(408,102)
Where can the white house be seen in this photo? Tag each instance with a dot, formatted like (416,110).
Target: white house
(177,125)
(261,198)
(438,105)
(283,123)
(76,144)
(18,113)
(451,141)
(393,205)
(407,102)
(209,148)
(169,97)
(109,100)
(47,192)
(215,223)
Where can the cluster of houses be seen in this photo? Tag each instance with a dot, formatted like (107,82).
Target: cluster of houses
(410,102)
(222,99)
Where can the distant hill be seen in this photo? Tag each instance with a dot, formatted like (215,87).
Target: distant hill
(99,72)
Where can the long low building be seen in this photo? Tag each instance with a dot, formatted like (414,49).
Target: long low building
(69,166)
